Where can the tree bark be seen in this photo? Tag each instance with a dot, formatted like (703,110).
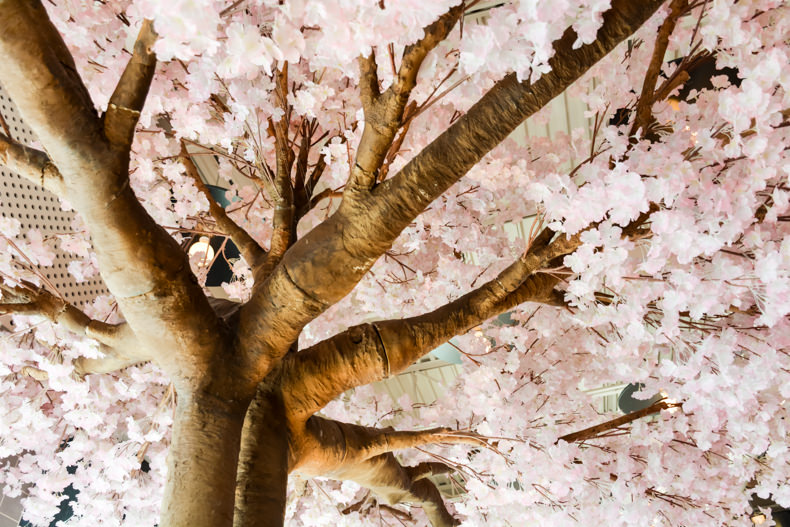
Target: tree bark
(347,244)
(202,461)
(263,464)
(142,265)
(229,463)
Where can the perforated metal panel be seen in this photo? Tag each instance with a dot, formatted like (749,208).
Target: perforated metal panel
(35,208)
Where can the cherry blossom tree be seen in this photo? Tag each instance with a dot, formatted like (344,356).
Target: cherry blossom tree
(365,150)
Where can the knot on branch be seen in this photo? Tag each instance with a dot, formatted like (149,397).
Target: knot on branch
(119,123)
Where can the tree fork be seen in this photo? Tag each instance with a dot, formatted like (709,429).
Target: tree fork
(384,111)
(346,245)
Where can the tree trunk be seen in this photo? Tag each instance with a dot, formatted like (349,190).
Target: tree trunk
(263,464)
(202,462)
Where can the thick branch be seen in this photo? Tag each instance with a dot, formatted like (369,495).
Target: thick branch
(248,247)
(126,102)
(283,224)
(371,352)
(119,344)
(351,452)
(142,265)
(384,441)
(346,245)
(33,165)
(324,446)
(443,162)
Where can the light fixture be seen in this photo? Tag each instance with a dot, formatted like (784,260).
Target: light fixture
(202,246)
(628,403)
(758,518)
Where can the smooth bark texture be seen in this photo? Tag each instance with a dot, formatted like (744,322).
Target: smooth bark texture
(346,245)
(245,396)
(140,262)
(126,102)
(202,460)
(33,165)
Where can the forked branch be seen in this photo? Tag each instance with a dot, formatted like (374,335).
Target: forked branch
(119,345)
(283,220)
(364,455)
(644,106)
(384,111)
(346,245)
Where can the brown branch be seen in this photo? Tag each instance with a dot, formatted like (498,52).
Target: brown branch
(683,73)
(345,246)
(33,165)
(384,112)
(351,452)
(323,445)
(390,441)
(644,107)
(283,224)
(301,199)
(315,176)
(369,91)
(126,102)
(119,345)
(371,352)
(248,247)
(324,194)
(595,431)
(394,483)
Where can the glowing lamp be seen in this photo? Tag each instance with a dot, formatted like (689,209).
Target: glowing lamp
(202,246)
